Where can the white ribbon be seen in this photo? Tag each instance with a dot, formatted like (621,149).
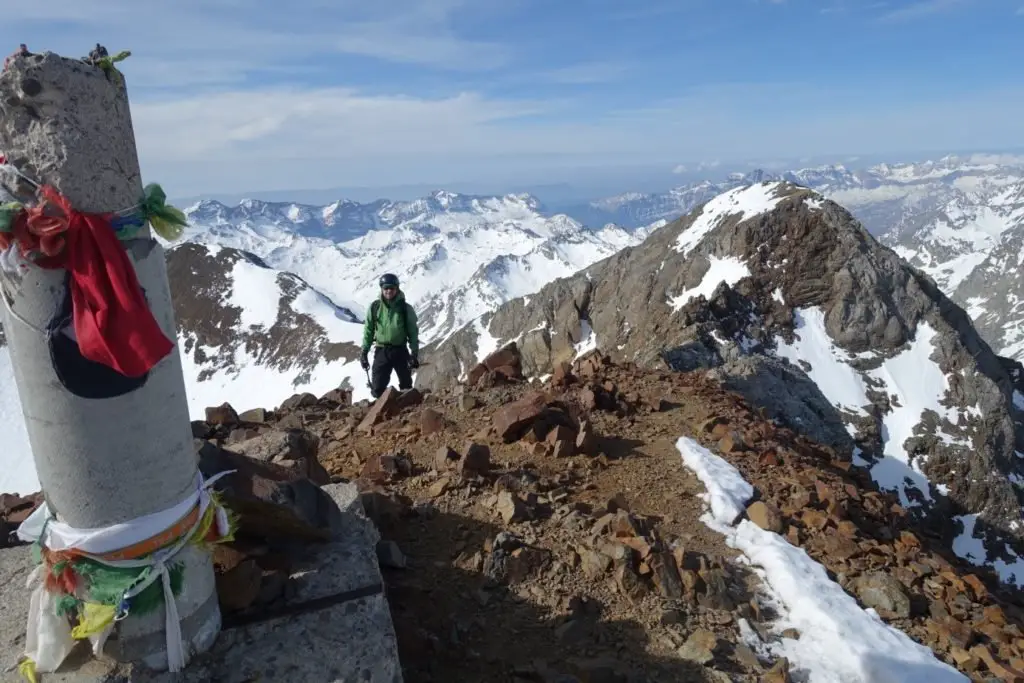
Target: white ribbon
(48,639)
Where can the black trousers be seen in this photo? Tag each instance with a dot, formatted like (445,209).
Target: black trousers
(386,359)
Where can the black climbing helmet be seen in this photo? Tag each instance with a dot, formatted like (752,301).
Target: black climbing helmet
(388,280)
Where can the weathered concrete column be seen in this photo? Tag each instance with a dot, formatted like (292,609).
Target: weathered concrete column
(100,460)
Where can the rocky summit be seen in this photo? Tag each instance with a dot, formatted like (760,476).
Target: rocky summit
(782,296)
(546,531)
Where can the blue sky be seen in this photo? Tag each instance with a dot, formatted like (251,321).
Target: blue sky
(236,95)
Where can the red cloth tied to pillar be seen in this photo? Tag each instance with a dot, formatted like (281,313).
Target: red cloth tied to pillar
(112,321)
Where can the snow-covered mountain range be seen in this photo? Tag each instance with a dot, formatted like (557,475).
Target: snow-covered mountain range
(457,256)
(960,219)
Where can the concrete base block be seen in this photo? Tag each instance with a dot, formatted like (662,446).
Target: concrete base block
(334,625)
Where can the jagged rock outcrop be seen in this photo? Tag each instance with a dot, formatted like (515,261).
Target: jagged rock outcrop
(774,270)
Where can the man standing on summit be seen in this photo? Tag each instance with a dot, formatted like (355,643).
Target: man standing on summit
(390,325)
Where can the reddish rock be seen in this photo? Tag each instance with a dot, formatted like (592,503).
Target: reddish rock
(513,419)
(381,469)
(560,433)
(476,459)
(766,516)
(239,587)
(431,422)
(507,359)
(587,441)
(383,408)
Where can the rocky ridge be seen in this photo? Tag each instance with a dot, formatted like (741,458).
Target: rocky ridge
(783,296)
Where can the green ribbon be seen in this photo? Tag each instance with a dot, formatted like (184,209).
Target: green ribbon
(167,221)
(8,212)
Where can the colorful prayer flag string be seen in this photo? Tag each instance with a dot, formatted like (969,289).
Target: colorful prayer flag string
(167,221)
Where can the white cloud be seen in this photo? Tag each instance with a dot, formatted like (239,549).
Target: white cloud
(209,42)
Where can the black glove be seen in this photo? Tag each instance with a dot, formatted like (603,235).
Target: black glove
(364,360)
(414,362)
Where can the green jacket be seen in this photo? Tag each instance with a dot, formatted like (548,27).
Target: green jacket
(388,328)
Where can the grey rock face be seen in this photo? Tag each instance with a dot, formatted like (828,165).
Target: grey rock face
(805,254)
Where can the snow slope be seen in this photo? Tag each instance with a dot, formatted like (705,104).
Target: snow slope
(17,471)
(253,336)
(839,641)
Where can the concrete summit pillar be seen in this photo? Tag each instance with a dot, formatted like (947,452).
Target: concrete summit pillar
(103,460)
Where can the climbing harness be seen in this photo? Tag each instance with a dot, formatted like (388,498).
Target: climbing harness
(105,574)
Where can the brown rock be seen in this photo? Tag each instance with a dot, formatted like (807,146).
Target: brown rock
(587,442)
(381,469)
(296,401)
(732,442)
(700,647)
(629,582)
(431,421)
(439,487)
(1004,671)
(779,673)
(593,563)
(383,408)
(254,416)
(766,516)
(445,458)
(513,419)
(560,433)
(666,575)
(341,397)
(510,507)
(562,374)
(223,414)
(468,402)
(977,586)
(239,587)
(476,460)
(226,557)
(507,358)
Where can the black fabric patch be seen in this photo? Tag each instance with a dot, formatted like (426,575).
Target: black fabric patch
(79,375)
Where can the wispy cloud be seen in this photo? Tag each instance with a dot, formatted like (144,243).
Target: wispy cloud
(291,137)
(225,41)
